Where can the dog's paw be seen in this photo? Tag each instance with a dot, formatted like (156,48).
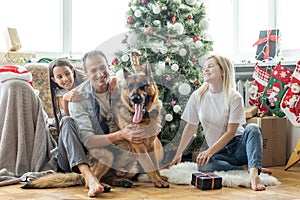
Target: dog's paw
(165,178)
(126,183)
(106,187)
(161,184)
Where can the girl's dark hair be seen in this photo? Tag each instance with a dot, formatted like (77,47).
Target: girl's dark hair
(53,86)
(92,54)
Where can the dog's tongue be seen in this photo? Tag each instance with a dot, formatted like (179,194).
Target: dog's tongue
(137,118)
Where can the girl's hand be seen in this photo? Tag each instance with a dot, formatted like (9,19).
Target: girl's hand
(73,96)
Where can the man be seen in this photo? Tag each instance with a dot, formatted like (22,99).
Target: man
(87,128)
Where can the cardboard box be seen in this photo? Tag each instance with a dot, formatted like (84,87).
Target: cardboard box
(251,111)
(274,134)
(205,181)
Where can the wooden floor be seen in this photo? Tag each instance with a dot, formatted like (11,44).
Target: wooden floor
(288,189)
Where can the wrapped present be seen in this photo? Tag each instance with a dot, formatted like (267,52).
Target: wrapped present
(267,44)
(251,111)
(205,181)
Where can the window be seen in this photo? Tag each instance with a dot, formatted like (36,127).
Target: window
(69,27)
(95,22)
(288,17)
(38,24)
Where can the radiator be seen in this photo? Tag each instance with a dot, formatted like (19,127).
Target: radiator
(243,88)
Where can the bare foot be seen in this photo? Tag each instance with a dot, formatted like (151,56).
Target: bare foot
(94,187)
(256,183)
(266,171)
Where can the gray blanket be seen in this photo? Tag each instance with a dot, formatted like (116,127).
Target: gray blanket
(25,142)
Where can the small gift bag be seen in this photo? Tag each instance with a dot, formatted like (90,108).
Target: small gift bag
(205,181)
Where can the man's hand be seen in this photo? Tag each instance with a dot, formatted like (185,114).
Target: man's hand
(133,133)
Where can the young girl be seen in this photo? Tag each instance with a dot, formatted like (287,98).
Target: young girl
(63,78)
(220,110)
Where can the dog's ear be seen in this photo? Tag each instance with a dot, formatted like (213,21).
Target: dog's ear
(125,72)
(148,71)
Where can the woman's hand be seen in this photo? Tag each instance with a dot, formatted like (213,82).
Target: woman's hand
(203,157)
(175,161)
(133,133)
(73,96)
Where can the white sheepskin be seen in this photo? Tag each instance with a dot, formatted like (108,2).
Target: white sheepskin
(181,174)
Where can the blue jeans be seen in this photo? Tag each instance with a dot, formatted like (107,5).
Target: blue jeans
(245,149)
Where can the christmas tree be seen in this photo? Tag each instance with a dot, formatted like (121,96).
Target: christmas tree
(170,36)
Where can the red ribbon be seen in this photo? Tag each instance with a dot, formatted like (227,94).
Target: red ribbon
(267,39)
(207,175)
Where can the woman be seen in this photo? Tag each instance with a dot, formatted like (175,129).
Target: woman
(63,79)
(220,110)
(25,142)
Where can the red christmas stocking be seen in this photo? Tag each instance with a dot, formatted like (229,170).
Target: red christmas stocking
(275,89)
(260,80)
(290,103)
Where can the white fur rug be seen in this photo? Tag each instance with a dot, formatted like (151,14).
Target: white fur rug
(181,174)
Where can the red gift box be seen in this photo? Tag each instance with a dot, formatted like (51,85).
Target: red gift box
(205,181)
(267,44)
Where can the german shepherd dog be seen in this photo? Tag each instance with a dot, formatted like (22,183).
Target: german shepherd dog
(134,100)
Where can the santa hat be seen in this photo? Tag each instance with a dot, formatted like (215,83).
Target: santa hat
(8,72)
(276,86)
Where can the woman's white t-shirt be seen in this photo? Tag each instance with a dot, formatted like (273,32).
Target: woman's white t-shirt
(214,113)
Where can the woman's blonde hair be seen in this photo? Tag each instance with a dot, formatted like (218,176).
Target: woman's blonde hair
(228,76)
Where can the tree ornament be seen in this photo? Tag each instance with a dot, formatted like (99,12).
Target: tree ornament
(184,89)
(175,67)
(168,60)
(168,78)
(164,50)
(198,44)
(174,18)
(196,38)
(149,30)
(182,52)
(164,7)
(190,2)
(173,102)
(196,82)
(169,41)
(114,61)
(156,10)
(177,108)
(203,25)
(179,28)
(194,59)
(169,117)
(125,58)
(158,72)
(144,1)
(138,13)
(130,20)
(190,17)
(156,23)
